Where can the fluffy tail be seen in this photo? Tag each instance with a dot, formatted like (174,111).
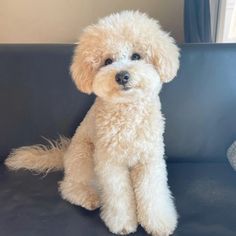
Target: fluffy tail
(39,158)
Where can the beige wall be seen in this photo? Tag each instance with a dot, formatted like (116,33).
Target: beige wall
(61,21)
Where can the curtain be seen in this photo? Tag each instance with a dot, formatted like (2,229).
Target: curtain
(197,21)
(215,18)
(232,29)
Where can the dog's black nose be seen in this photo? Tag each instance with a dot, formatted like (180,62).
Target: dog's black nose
(122,77)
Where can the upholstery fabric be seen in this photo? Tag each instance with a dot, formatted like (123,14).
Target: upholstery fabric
(38,98)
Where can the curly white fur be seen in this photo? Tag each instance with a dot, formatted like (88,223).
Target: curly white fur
(116,157)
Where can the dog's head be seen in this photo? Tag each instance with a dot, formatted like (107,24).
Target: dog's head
(124,56)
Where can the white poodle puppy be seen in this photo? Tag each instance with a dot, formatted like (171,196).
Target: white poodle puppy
(116,157)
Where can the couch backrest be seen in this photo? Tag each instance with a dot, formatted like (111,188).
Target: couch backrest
(38,98)
(200,104)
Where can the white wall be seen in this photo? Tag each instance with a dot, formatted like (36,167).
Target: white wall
(61,21)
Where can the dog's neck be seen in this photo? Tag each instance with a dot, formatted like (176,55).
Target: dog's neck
(140,105)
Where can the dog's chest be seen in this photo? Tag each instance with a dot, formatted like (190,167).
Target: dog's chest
(128,130)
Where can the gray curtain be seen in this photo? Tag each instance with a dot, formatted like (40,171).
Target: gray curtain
(197,21)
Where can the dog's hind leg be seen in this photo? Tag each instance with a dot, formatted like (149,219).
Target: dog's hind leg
(78,185)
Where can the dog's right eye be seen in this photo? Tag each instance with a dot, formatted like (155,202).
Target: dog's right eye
(108,61)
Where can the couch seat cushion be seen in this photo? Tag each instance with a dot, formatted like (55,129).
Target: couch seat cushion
(205,196)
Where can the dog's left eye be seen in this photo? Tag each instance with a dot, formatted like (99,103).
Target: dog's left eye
(135,56)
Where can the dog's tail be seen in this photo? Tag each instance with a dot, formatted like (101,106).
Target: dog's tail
(39,158)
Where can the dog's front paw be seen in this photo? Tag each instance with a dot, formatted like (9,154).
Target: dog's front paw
(126,229)
(79,194)
(160,226)
(122,229)
(119,223)
(160,229)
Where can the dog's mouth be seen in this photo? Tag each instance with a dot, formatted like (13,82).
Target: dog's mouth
(126,88)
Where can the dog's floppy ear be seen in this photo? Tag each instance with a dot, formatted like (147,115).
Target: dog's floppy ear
(165,55)
(81,72)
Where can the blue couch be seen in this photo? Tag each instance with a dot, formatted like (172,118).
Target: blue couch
(38,98)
